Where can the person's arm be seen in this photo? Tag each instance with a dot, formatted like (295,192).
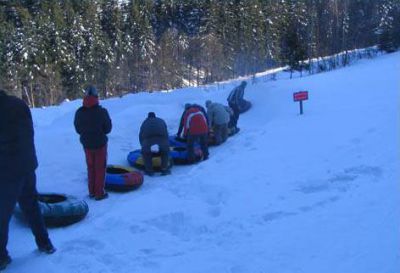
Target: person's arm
(241,93)
(107,122)
(210,116)
(205,114)
(25,133)
(165,129)
(77,123)
(181,124)
(237,95)
(141,134)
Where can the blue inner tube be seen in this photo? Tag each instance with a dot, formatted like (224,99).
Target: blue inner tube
(135,159)
(180,155)
(120,178)
(60,210)
(175,141)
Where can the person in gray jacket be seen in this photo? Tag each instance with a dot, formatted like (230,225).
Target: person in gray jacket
(218,117)
(154,132)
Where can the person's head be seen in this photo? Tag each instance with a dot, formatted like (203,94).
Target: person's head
(187,106)
(244,83)
(208,103)
(151,115)
(91,91)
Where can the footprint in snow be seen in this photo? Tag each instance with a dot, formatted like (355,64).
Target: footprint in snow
(319,204)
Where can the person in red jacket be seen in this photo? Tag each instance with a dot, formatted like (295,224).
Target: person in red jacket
(194,124)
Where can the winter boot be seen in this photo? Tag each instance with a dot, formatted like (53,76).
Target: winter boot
(47,248)
(165,172)
(4,262)
(101,197)
(149,173)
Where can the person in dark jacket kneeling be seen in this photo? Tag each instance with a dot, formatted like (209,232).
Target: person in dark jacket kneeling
(18,163)
(93,123)
(154,132)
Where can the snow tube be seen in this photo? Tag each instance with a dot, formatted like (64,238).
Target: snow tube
(60,210)
(180,155)
(119,178)
(175,141)
(244,106)
(135,159)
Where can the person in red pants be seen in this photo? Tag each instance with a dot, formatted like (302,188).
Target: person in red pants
(93,123)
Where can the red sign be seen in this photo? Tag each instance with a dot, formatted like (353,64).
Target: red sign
(299,96)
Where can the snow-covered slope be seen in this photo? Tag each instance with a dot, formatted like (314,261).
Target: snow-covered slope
(290,193)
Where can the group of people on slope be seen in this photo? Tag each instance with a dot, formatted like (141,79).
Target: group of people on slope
(195,126)
(92,122)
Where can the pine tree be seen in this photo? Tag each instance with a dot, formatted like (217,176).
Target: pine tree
(386,31)
(293,46)
(141,45)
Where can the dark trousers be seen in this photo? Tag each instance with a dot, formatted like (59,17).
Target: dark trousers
(163,145)
(202,139)
(220,133)
(236,112)
(96,161)
(21,189)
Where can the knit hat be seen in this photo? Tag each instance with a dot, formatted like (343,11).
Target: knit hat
(244,83)
(151,115)
(91,91)
(208,103)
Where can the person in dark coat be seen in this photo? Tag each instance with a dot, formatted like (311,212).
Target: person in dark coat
(194,125)
(235,99)
(93,123)
(18,163)
(154,132)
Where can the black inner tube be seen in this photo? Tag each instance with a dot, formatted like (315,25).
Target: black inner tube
(51,198)
(113,170)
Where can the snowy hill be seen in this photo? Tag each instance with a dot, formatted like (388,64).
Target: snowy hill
(290,193)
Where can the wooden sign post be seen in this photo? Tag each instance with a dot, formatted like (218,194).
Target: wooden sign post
(300,96)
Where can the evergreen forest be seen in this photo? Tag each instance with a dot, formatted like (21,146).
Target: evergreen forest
(51,49)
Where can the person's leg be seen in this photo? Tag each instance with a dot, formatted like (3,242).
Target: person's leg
(224,132)
(147,157)
(217,134)
(89,154)
(10,188)
(100,164)
(190,147)
(164,151)
(204,145)
(236,113)
(30,207)
(231,123)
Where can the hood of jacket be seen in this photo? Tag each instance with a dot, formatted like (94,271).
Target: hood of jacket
(90,101)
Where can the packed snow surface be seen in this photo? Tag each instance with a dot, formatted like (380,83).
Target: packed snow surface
(308,193)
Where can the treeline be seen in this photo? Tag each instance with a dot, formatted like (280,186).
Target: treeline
(50,49)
